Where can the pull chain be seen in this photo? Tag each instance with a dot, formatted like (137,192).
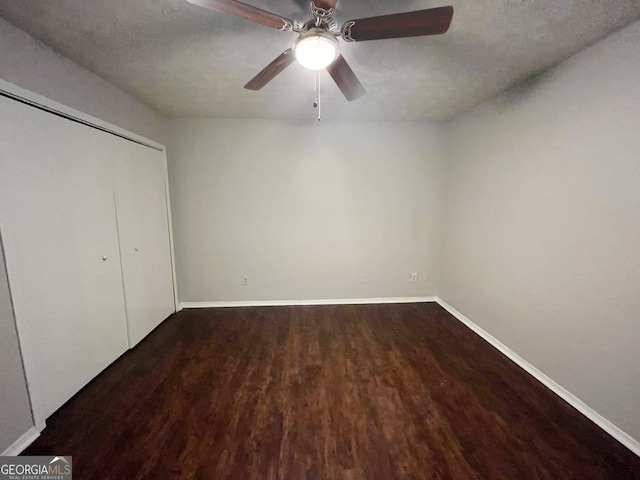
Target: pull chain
(318,99)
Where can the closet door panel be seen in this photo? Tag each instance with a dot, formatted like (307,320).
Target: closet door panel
(145,247)
(57,215)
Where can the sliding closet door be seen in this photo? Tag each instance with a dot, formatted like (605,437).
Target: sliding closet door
(145,247)
(57,214)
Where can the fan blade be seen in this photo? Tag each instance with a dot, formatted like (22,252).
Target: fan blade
(325,4)
(432,21)
(247,12)
(346,80)
(269,72)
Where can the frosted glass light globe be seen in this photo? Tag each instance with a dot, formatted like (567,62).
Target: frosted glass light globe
(316,50)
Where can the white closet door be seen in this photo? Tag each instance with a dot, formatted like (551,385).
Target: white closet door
(57,215)
(143,228)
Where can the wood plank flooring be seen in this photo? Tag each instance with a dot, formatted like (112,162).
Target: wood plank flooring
(324,392)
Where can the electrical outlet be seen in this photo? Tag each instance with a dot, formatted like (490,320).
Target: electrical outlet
(245,281)
(414,277)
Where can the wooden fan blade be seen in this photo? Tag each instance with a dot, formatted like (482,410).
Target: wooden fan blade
(433,21)
(346,80)
(269,72)
(326,4)
(247,12)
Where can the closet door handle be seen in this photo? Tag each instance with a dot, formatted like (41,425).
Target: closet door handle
(105,258)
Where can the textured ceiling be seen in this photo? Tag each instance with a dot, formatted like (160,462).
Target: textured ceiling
(186,61)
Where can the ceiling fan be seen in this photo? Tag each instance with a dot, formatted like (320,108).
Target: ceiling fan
(317,45)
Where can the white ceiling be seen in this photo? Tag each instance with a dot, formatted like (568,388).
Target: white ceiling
(186,61)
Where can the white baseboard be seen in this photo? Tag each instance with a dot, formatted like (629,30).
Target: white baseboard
(23,442)
(278,303)
(620,435)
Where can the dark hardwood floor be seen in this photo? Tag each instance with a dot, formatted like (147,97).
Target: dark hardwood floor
(325,392)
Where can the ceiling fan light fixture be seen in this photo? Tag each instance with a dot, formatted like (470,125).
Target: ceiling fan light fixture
(316,49)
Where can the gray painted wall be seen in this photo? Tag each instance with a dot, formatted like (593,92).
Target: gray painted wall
(542,224)
(15,410)
(35,67)
(313,211)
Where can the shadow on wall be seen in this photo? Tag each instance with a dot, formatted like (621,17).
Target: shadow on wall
(15,410)
(522,89)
